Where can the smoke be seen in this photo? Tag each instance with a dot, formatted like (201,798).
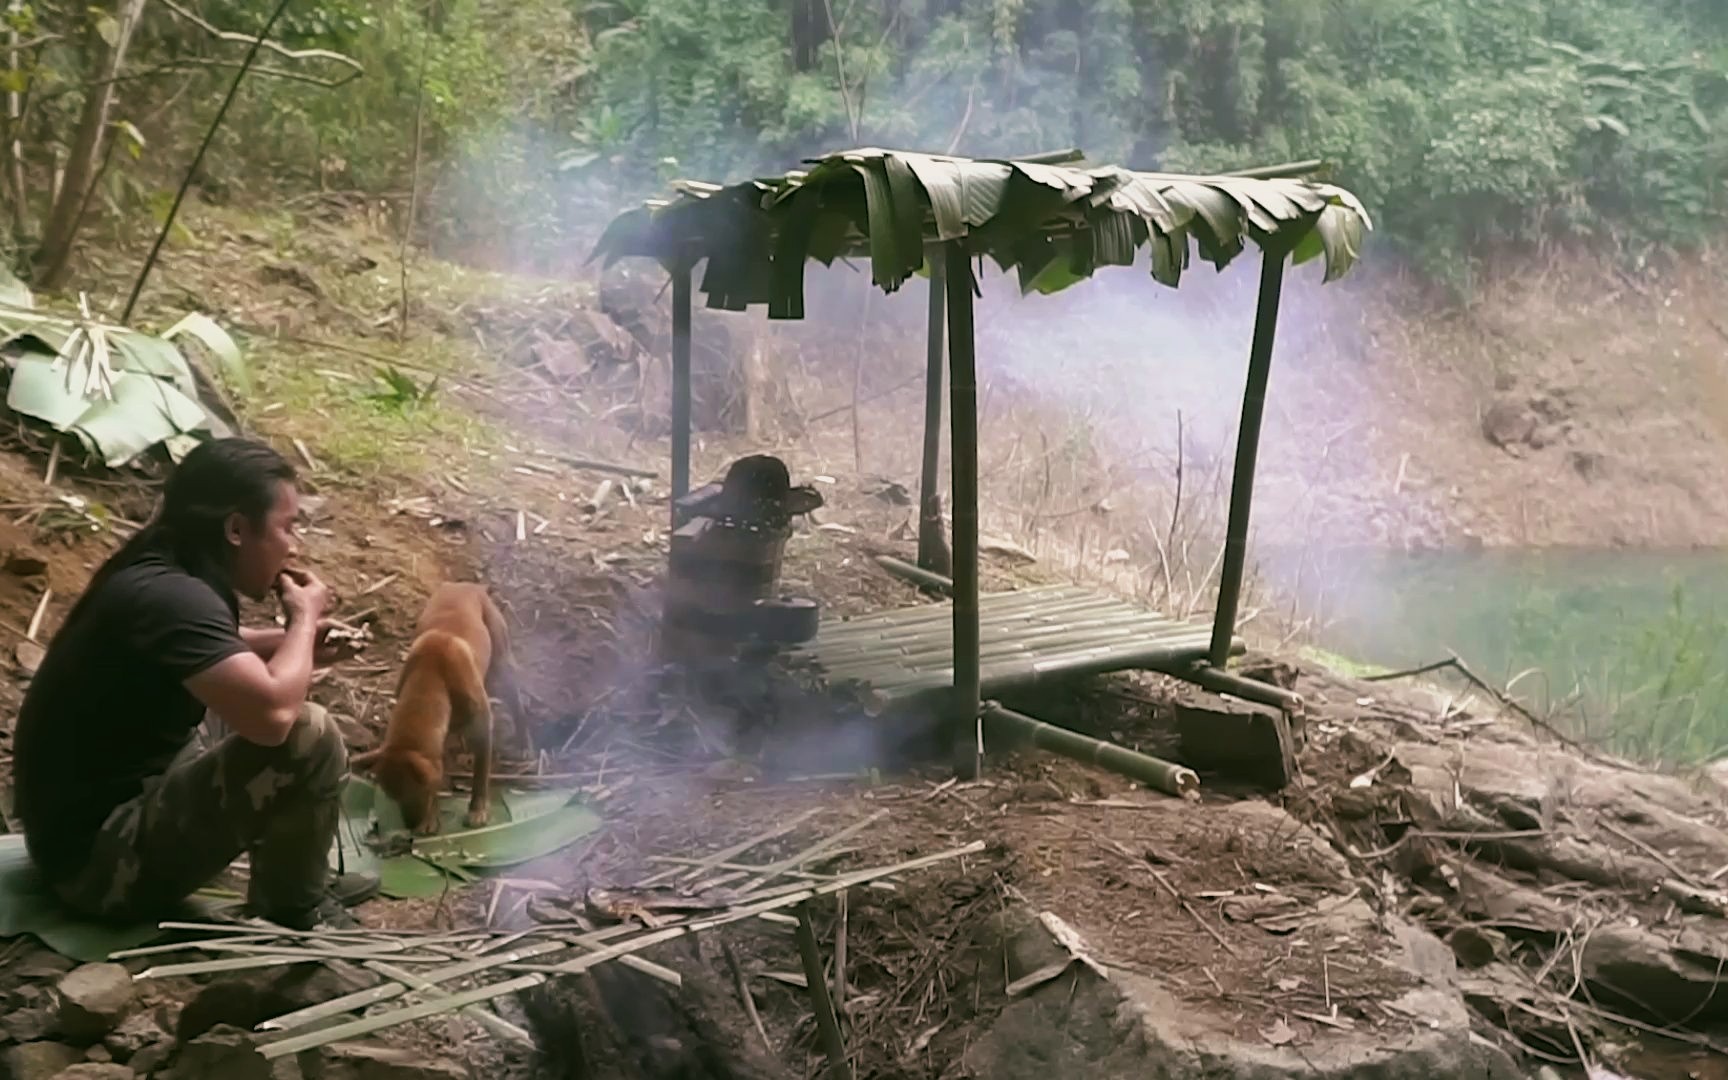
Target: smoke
(1134,388)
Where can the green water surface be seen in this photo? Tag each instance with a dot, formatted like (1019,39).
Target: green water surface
(1632,646)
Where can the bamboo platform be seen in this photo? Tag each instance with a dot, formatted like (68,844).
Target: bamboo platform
(1030,638)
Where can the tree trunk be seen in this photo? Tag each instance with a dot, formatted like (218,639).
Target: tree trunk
(64,218)
(809,33)
(15,139)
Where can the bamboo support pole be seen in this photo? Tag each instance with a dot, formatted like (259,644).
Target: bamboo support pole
(827,1023)
(1247,453)
(1160,775)
(930,538)
(918,575)
(1274,172)
(963,432)
(680,387)
(1260,693)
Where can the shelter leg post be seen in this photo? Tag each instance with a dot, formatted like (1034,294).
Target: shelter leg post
(931,543)
(1247,453)
(963,431)
(680,387)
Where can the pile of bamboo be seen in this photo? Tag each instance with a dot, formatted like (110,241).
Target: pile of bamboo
(422,967)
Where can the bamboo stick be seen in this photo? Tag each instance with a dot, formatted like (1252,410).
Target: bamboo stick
(362,998)
(919,575)
(1289,169)
(1160,775)
(367,1025)
(775,869)
(680,387)
(487,1019)
(1000,605)
(749,868)
(1224,682)
(896,686)
(1039,636)
(827,1023)
(1247,453)
(930,538)
(964,734)
(1032,615)
(710,861)
(940,635)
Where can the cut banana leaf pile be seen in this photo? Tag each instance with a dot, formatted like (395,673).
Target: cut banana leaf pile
(119,391)
(526,825)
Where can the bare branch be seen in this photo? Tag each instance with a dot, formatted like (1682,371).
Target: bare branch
(280,50)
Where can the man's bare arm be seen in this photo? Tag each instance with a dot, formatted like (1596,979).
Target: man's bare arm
(259,700)
(263,640)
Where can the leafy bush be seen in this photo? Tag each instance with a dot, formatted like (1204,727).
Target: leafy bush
(1462,124)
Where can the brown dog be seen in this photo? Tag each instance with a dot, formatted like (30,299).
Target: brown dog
(462,647)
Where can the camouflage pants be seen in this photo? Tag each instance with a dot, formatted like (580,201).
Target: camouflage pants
(281,804)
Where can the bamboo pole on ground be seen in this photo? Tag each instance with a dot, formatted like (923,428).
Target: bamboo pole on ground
(1247,453)
(1165,776)
(827,1023)
(921,576)
(680,387)
(966,736)
(930,539)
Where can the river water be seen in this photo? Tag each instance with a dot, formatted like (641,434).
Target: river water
(1634,644)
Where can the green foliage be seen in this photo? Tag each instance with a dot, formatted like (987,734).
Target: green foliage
(1462,124)
(400,392)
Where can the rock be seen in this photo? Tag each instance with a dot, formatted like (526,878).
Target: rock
(133,1036)
(152,1057)
(39,1060)
(92,1070)
(1269,671)
(1238,740)
(94,999)
(1508,424)
(1476,947)
(1587,464)
(245,1002)
(1007,549)
(42,965)
(363,1061)
(1651,977)
(227,1053)
(99,1054)
(1715,779)
(281,273)
(29,656)
(1128,1026)
(26,1025)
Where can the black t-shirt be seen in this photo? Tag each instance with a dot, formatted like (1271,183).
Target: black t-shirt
(109,707)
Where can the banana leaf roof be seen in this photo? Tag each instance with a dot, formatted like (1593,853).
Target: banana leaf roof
(1053,225)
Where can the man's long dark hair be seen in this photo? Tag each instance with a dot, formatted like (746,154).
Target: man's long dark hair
(218,478)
